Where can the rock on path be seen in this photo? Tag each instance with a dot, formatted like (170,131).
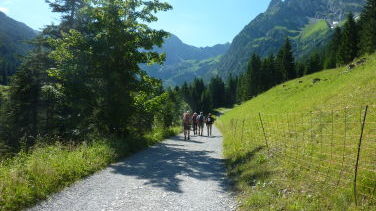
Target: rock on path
(173,175)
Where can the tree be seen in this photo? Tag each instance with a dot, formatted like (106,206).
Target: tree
(348,49)
(270,75)
(300,69)
(206,105)
(98,65)
(242,88)
(217,92)
(71,16)
(198,88)
(368,28)
(314,64)
(285,62)
(231,90)
(25,98)
(332,49)
(254,76)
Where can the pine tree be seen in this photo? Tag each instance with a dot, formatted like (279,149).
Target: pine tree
(333,47)
(242,88)
(368,28)
(254,76)
(25,98)
(217,92)
(275,76)
(231,90)
(269,73)
(71,18)
(300,69)
(348,49)
(314,64)
(206,104)
(198,88)
(285,62)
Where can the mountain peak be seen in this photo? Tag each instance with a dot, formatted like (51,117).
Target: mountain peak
(274,3)
(284,18)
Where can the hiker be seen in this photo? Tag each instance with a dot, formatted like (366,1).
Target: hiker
(187,125)
(209,123)
(200,123)
(194,123)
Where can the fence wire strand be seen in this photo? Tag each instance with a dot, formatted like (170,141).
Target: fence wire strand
(322,142)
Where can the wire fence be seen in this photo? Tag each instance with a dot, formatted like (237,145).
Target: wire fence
(335,148)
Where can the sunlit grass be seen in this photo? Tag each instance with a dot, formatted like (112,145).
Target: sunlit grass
(30,177)
(309,164)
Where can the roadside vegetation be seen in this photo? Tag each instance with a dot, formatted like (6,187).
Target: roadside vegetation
(305,164)
(44,169)
(80,100)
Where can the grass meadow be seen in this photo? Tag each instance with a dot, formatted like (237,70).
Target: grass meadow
(295,147)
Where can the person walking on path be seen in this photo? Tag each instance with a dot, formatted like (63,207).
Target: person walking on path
(200,123)
(187,125)
(209,123)
(194,123)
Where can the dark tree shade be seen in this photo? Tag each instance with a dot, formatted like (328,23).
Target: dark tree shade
(285,62)
(368,28)
(348,48)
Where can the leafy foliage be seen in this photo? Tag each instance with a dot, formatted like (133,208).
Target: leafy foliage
(368,28)
(83,77)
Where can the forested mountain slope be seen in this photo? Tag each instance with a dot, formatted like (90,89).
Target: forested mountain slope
(303,21)
(177,51)
(185,62)
(13,35)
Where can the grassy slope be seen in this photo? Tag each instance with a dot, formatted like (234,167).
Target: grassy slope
(272,180)
(30,177)
(318,28)
(312,35)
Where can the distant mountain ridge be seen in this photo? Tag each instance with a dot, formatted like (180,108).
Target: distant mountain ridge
(289,18)
(13,37)
(177,51)
(185,62)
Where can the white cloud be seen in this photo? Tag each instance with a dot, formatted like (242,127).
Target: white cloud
(4,10)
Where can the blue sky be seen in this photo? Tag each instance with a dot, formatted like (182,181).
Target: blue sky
(196,22)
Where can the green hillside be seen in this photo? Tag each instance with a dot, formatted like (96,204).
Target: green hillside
(13,37)
(295,146)
(318,28)
(293,18)
(185,62)
(312,35)
(185,71)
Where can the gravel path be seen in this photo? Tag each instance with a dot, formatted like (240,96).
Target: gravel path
(173,175)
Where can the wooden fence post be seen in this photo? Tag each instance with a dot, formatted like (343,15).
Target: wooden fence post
(263,130)
(358,155)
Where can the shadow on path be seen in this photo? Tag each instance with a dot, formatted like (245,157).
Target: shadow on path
(166,164)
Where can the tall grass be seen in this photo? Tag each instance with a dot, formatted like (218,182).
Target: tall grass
(287,175)
(46,169)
